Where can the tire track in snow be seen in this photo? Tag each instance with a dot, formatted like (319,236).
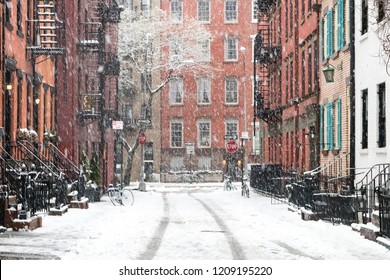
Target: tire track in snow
(155,242)
(235,247)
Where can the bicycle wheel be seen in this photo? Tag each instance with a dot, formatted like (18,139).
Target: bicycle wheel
(127,197)
(247,192)
(114,196)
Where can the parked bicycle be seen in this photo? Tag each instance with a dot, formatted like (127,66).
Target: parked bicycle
(228,184)
(245,187)
(120,195)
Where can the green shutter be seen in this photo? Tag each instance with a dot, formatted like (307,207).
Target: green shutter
(321,128)
(322,40)
(339,124)
(340,25)
(329,126)
(328,33)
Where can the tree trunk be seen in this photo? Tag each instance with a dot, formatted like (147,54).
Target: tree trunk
(129,165)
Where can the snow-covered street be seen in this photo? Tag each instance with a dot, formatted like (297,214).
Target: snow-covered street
(192,222)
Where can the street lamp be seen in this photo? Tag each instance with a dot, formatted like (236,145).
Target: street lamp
(329,71)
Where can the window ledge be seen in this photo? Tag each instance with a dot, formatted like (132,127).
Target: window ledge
(381,151)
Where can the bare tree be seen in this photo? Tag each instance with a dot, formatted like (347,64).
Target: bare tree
(153,49)
(380,13)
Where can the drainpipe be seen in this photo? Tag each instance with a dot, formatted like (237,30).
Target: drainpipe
(352,93)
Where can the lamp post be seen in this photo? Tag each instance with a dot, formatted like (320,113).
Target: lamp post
(243,50)
(244,135)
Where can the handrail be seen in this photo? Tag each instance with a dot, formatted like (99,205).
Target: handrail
(369,177)
(64,157)
(37,158)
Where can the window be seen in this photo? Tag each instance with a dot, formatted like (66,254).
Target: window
(204,10)
(205,50)
(146,82)
(232,127)
(303,73)
(255,10)
(176,49)
(127,111)
(364,16)
(176,133)
(177,163)
(204,133)
(291,79)
(230,10)
(145,7)
(381,10)
(231,93)
(310,69)
(176,91)
(127,4)
(382,115)
(8,11)
(204,90)
(177,10)
(204,163)
(19,16)
(231,44)
(340,24)
(364,119)
(256,139)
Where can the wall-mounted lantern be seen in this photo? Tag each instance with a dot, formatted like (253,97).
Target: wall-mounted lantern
(329,71)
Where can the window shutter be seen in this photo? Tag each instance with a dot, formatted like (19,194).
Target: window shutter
(339,124)
(331,126)
(340,27)
(322,39)
(321,128)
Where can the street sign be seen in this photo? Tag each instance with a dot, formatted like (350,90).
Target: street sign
(117,125)
(190,148)
(231,146)
(142,138)
(230,137)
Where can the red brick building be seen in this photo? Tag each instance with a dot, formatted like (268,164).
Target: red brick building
(288,87)
(87,97)
(212,107)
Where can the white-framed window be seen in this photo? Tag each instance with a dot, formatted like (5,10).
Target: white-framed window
(204,10)
(177,133)
(205,50)
(204,133)
(177,163)
(128,4)
(177,10)
(204,163)
(145,7)
(231,90)
(176,90)
(255,10)
(231,48)
(204,90)
(176,49)
(231,127)
(230,10)
(256,139)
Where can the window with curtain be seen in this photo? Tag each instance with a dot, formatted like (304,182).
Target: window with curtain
(204,133)
(176,91)
(204,90)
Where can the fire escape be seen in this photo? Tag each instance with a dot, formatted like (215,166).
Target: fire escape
(267,54)
(97,62)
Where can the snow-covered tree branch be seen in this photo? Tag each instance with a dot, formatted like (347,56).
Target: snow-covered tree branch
(152,50)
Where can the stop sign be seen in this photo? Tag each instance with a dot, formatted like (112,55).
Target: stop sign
(231,146)
(142,138)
